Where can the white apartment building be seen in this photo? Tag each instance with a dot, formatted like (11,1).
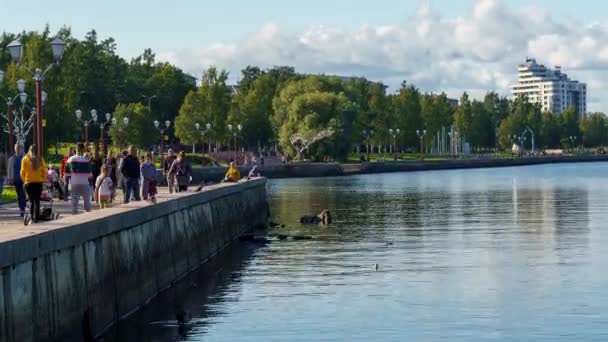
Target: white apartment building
(551,88)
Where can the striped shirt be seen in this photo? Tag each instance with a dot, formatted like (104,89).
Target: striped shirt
(79,170)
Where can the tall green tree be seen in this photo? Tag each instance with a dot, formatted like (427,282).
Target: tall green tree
(594,130)
(209,104)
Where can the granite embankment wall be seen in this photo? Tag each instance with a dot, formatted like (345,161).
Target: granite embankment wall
(57,284)
(334,169)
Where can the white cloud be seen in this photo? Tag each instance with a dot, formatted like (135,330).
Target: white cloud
(477,52)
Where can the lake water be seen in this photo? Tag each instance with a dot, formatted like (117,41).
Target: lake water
(509,254)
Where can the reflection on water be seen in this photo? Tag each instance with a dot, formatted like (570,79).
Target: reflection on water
(496,254)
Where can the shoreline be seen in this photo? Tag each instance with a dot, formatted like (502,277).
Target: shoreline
(307,170)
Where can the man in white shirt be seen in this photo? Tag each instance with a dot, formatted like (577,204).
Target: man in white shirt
(78,168)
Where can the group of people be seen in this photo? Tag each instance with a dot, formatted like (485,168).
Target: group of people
(85,175)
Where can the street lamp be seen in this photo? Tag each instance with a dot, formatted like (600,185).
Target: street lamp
(16,51)
(162,132)
(203,132)
(238,129)
(572,141)
(368,134)
(149,98)
(120,128)
(421,135)
(394,133)
(102,125)
(9,102)
(522,140)
(86,123)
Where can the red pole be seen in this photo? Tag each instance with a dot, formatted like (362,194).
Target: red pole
(10,126)
(39,139)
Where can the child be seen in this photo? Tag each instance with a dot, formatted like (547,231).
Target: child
(148,173)
(104,187)
(53,178)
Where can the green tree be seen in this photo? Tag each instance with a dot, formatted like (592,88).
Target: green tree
(571,126)
(139,132)
(406,114)
(594,130)
(463,117)
(550,132)
(209,104)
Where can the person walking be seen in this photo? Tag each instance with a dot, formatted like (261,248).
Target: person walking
(66,180)
(13,175)
(78,168)
(167,162)
(96,164)
(104,188)
(33,173)
(131,173)
(3,163)
(182,171)
(53,179)
(148,175)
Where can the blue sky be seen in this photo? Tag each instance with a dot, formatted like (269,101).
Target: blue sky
(162,25)
(439,45)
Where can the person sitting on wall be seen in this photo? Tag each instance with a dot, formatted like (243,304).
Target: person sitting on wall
(233,175)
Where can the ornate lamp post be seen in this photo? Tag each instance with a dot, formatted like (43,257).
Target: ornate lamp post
(238,129)
(368,135)
(572,141)
(394,133)
(162,132)
(120,128)
(16,51)
(421,135)
(203,132)
(102,126)
(9,102)
(86,123)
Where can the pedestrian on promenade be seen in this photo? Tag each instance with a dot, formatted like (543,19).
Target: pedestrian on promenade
(96,164)
(78,168)
(66,180)
(13,173)
(104,187)
(148,175)
(3,163)
(33,173)
(111,163)
(182,171)
(131,172)
(233,175)
(53,179)
(167,162)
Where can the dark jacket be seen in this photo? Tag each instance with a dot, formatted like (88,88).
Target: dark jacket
(130,167)
(167,163)
(182,171)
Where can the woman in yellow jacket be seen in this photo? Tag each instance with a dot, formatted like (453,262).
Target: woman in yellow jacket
(233,175)
(33,173)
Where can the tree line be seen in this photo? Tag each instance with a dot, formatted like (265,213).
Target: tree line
(274,106)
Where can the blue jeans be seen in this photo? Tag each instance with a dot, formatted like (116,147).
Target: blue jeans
(131,185)
(20,195)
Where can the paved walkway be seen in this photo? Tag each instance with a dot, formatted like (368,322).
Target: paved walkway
(11,224)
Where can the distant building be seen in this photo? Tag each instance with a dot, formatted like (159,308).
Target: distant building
(550,88)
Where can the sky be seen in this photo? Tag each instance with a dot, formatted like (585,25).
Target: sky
(438,45)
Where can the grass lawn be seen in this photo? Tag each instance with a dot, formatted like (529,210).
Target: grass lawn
(9,195)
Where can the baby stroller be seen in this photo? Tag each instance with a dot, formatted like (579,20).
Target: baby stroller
(46,211)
